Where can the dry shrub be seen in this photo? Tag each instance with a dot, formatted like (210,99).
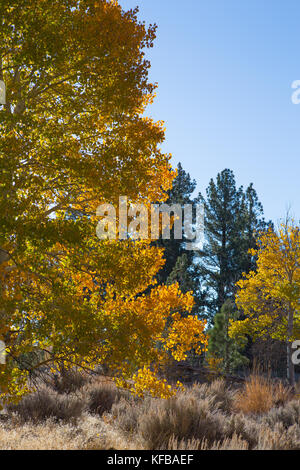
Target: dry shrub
(126,413)
(183,417)
(279,438)
(185,420)
(45,404)
(259,395)
(68,381)
(287,415)
(102,396)
(281,393)
(201,418)
(242,426)
(221,396)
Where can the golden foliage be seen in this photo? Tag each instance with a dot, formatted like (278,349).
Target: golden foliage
(73,135)
(270,294)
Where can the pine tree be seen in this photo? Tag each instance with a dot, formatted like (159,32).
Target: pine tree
(182,189)
(231,218)
(222,208)
(180,265)
(252,222)
(220,345)
(186,274)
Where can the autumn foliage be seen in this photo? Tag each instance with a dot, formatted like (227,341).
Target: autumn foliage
(73,135)
(269,297)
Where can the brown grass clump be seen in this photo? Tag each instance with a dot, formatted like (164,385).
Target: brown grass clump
(193,415)
(281,393)
(68,381)
(287,416)
(221,396)
(259,395)
(102,396)
(46,404)
(184,417)
(278,438)
(126,414)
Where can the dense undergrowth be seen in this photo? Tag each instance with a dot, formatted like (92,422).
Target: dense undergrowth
(76,412)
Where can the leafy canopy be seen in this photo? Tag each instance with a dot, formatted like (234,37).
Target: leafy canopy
(73,135)
(266,296)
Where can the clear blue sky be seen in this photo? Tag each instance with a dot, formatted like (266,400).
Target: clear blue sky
(224,70)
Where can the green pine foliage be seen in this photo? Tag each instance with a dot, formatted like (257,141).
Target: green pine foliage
(181,264)
(221,346)
(232,217)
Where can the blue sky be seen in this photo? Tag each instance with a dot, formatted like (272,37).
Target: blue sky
(224,70)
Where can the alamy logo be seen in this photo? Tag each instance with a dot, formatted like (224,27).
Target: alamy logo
(2,92)
(151,223)
(296,354)
(2,353)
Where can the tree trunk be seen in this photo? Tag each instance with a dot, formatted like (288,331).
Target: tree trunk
(290,365)
(289,351)
(226,343)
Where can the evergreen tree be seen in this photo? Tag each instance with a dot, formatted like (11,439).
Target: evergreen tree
(186,273)
(181,193)
(180,265)
(220,345)
(252,222)
(232,216)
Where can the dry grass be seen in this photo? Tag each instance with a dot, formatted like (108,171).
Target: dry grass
(260,394)
(90,432)
(101,397)
(183,417)
(68,381)
(93,414)
(46,404)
